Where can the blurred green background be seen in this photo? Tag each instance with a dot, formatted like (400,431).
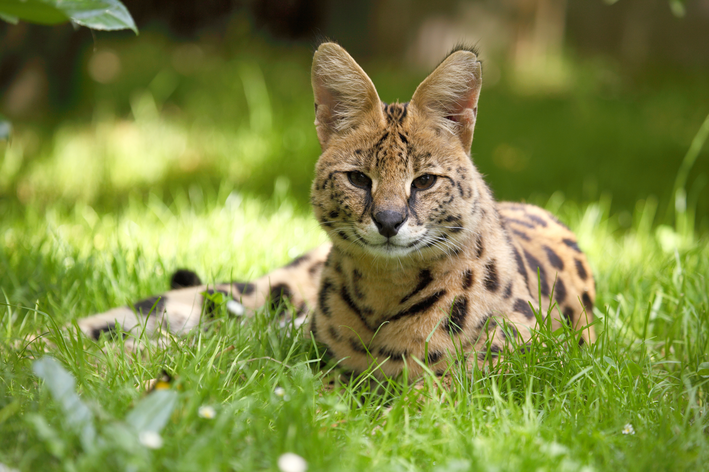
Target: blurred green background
(581,100)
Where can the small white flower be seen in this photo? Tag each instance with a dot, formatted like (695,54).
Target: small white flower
(628,429)
(206,412)
(279,391)
(290,462)
(150,439)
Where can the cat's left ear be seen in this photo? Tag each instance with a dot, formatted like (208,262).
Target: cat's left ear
(345,96)
(449,96)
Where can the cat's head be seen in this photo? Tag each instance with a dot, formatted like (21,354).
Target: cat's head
(396,181)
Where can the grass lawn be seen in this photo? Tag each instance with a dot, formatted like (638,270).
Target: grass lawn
(553,408)
(102,214)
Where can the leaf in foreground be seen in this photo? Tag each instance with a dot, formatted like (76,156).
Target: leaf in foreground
(95,14)
(61,385)
(152,412)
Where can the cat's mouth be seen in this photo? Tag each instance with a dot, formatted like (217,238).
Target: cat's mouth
(395,246)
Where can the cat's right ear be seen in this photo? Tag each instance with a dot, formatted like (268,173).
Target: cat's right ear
(344,95)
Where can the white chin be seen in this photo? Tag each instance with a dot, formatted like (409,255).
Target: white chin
(389,250)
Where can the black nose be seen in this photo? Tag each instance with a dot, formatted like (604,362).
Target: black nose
(388,222)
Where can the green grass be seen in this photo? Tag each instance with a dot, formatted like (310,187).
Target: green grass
(554,408)
(210,171)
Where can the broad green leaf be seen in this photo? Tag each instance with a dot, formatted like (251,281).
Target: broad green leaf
(102,15)
(61,385)
(34,11)
(153,412)
(95,14)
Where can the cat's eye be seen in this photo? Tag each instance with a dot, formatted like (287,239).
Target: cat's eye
(424,182)
(358,179)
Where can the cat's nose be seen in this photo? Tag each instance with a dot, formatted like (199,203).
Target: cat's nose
(389,221)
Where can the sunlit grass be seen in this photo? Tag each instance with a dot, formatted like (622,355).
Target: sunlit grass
(107,210)
(553,407)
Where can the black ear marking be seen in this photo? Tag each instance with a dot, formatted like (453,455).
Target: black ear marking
(184,278)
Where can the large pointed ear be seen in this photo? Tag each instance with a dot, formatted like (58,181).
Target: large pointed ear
(449,96)
(344,94)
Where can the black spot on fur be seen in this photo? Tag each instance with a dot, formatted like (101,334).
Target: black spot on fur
(357,346)
(479,248)
(520,266)
(393,355)
(508,291)
(314,329)
(520,222)
(554,259)
(587,303)
(491,281)
(343,235)
(508,331)
(361,312)
(420,307)
(245,288)
(434,357)
(109,330)
(523,307)
(356,278)
(534,264)
(569,315)
(334,334)
(459,311)
(298,260)
(484,321)
(521,235)
(278,294)
(493,352)
(581,270)
(538,220)
(467,279)
(559,290)
(152,306)
(572,244)
(184,278)
(325,289)
(425,279)
(334,214)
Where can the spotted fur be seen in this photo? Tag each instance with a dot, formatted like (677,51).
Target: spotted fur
(423,259)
